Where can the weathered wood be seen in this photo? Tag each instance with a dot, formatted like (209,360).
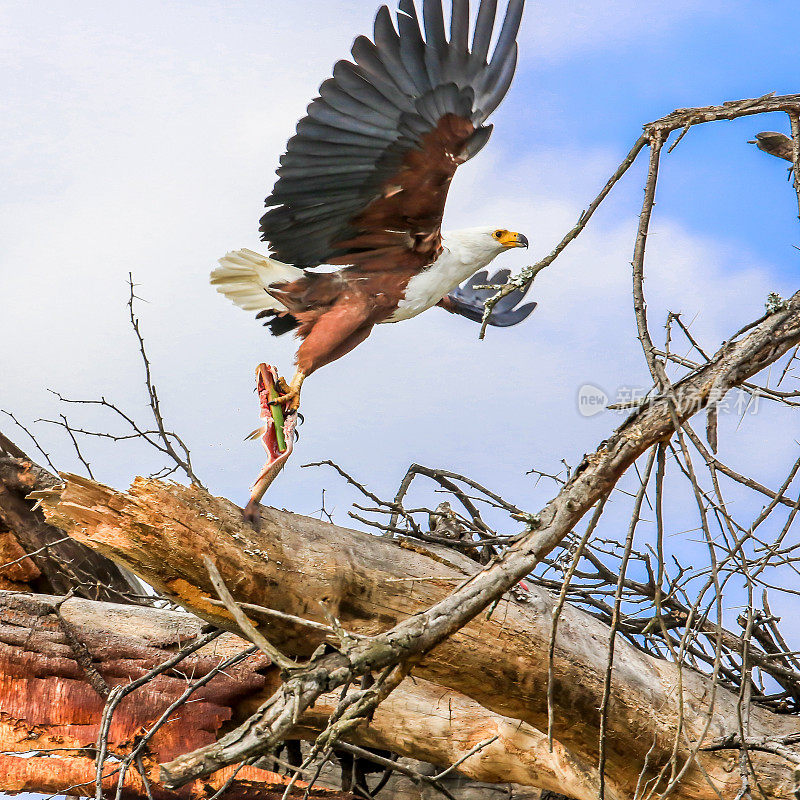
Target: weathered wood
(64,775)
(46,701)
(55,565)
(370,583)
(431,723)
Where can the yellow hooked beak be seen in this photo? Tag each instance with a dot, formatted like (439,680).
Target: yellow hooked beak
(512,239)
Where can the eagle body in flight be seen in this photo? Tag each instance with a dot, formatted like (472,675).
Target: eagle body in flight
(363,183)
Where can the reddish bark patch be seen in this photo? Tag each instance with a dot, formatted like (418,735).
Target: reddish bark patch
(47,704)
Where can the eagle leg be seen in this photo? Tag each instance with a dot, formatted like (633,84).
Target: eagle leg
(289,396)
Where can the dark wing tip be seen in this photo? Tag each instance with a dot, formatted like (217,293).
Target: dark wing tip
(468,301)
(506,319)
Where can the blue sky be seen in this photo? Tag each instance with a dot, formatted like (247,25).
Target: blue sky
(145,138)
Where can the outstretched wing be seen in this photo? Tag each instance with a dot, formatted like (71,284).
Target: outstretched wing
(365,179)
(468,301)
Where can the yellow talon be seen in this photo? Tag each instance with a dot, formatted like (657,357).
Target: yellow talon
(290,392)
(290,401)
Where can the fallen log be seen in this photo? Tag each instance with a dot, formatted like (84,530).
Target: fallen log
(48,706)
(370,583)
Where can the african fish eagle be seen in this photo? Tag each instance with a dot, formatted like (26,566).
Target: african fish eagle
(363,184)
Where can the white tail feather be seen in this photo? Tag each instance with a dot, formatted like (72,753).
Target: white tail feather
(244,276)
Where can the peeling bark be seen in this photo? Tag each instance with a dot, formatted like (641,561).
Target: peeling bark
(54,773)
(48,704)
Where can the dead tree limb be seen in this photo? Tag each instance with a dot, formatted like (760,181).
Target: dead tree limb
(500,662)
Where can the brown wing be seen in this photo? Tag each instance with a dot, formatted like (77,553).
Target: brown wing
(365,179)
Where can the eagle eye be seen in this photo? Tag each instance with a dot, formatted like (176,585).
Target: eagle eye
(498,234)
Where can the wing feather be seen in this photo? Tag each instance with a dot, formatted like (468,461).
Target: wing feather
(484,25)
(434,25)
(497,92)
(352,78)
(323,112)
(295,159)
(324,170)
(358,104)
(412,46)
(318,147)
(327,132)
(387,46)
(510,29)
(365,177)
(367,57)
(459,27)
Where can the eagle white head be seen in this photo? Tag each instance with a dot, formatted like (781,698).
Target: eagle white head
(480,246)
